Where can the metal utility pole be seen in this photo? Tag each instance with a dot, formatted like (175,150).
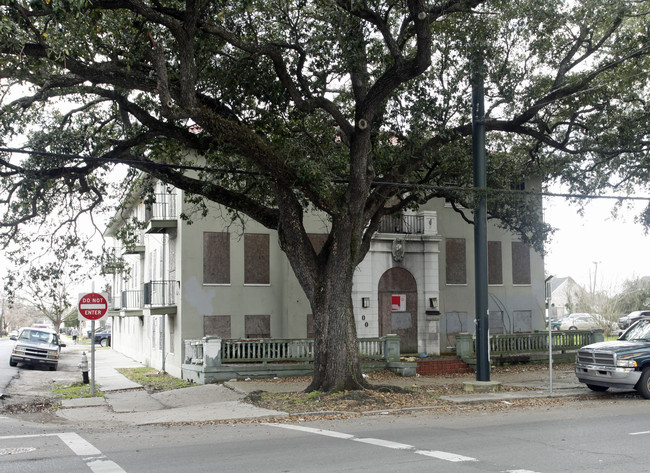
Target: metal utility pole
(480,223)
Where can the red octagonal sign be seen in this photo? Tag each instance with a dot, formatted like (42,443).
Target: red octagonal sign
(93,306)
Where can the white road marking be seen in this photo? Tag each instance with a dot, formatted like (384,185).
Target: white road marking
(518,471)
(14,451)
(104,466)
(327,433)
(78,445)
(640,433)
(386,443)
(450,457)
(95,460)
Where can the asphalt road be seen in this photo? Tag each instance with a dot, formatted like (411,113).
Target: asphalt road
(6,372)
(589,436)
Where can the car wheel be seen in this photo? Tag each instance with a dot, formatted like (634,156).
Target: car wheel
(573,328)
(598,389)
(643,386)
(52,368)
(13,363)
(104,342)
(557,329)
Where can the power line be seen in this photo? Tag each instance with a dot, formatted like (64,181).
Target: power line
(430,187)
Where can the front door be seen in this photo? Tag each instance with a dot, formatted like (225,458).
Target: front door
(398,308)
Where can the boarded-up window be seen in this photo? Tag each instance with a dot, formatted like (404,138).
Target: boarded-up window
(520,263)
(216,326)
(495,269)
(257,326)
(496,322)
(256,259)
(523,322)
(318,240)
(456,264)
(216,258)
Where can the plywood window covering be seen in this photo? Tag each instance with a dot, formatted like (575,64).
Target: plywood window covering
(317,240)
(257,326)
(520,263)
(216,258)
(456,261)
(256,259)
(495,266)
(216,326)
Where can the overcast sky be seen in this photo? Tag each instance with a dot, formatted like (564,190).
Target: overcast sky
(596,246)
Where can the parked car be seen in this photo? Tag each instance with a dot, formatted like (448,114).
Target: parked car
(579,321)
(627,320)
(36,347)
(103,338)
(13,335)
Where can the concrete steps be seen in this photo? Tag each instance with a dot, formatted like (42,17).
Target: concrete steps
(438,366)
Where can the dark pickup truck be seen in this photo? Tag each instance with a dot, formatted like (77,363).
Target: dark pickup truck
(623,363)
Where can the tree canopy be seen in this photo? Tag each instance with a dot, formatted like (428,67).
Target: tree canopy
(353,108)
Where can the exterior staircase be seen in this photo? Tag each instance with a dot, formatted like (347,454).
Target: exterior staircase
(441,366)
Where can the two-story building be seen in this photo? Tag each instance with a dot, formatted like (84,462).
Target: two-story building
(219,276)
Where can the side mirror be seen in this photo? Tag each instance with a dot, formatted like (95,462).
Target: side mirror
(13,337)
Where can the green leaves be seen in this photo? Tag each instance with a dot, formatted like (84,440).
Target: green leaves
(269,97)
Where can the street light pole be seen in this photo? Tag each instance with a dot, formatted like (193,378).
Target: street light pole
(480,222)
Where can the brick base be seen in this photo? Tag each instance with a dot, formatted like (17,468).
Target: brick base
(438,366)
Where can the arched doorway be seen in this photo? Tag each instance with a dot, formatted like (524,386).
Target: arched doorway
(398,307)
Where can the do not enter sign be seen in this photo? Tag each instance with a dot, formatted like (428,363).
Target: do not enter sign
(93,306)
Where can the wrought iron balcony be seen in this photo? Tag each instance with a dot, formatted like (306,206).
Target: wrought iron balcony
(132,299)
(160,293)
(409,224)
(161,214)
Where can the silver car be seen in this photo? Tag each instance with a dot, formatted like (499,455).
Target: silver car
(36,347)
(579,321)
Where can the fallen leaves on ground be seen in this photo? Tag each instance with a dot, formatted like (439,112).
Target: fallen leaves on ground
(371,400)
(18,405)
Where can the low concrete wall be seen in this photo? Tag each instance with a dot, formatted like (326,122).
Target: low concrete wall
(213,360)
(528,347)
(218,374)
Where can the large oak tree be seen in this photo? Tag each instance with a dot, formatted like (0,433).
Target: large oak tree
(352,108)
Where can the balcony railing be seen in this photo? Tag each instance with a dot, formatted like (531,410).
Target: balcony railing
(409,224)
(164,207)
(160,293)
(132,299)
(154,294)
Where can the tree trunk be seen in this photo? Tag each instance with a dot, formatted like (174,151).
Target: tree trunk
(327,279)
(336,350)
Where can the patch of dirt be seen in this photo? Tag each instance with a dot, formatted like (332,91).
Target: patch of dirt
(392,392)
(30,408)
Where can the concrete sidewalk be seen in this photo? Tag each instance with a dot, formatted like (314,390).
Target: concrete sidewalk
(127,403)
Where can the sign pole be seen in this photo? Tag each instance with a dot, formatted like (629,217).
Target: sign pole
(92,306)
(92,358)
(550,334)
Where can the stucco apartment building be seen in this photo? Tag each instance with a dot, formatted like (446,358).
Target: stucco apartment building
(219,277)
